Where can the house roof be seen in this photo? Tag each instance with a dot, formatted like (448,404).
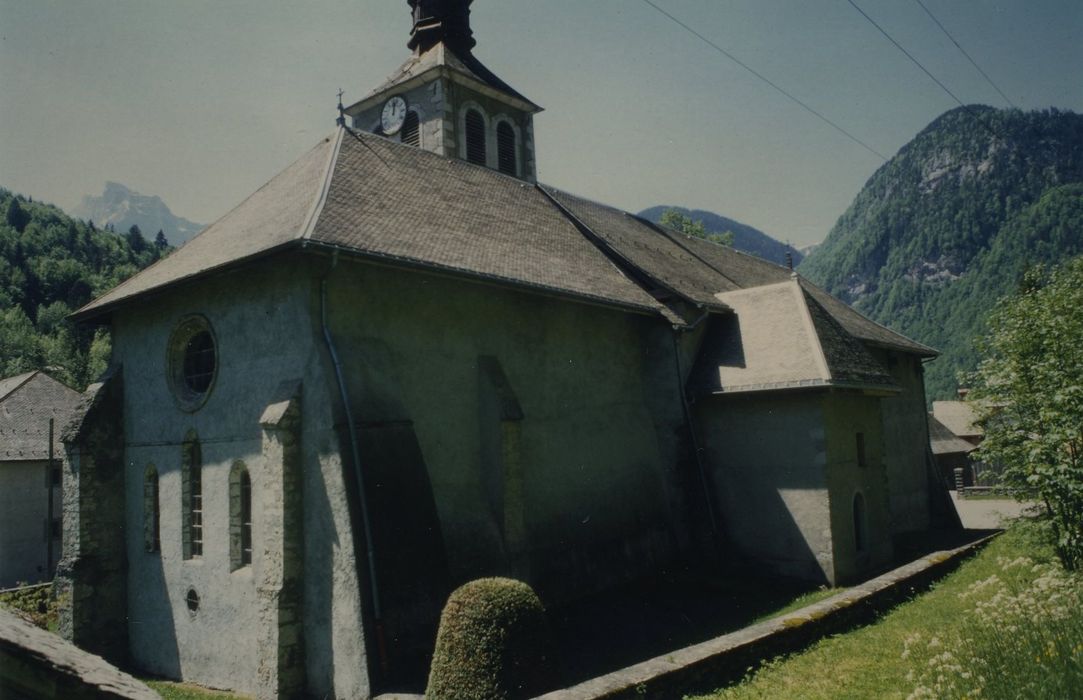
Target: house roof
(27,403)
(943,441)
(376,198)
(958,417)
(12,383)
(779,337)
(441,57)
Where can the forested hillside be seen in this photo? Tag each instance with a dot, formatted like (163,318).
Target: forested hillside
(50,265)
(746,238)
(948,226)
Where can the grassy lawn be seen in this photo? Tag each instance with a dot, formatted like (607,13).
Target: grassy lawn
(186,691)
(898,654)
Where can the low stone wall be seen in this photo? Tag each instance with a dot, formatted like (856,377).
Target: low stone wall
(38,664)
(722,660)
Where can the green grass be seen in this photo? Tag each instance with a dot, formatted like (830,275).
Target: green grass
(869,662)
(802,601)
(186,691)
(35,604)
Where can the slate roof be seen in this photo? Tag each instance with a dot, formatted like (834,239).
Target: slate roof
(744,270)
(779,337)
(440,56)
(27,402)
(943,441)
(372,197)
(958,417)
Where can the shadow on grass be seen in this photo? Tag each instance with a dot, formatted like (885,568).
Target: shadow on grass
(673,610)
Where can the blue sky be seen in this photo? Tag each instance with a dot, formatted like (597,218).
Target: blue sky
(202,102)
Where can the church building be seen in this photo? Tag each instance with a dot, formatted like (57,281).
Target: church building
(403,364)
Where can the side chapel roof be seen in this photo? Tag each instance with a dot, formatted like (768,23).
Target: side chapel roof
(780,337)
(27,403)
(375,198)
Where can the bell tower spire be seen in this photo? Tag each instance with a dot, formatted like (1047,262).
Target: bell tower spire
(446,21)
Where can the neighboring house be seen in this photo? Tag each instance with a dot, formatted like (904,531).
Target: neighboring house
(401,365)
(33,406)
(959,418)
(951,452)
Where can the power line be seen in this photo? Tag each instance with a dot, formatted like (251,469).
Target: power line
(924,69)
(963,51)
(748,68)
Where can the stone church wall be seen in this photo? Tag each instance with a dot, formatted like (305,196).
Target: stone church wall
(767,458)
(906,438)
(265,324)
(851,477)
(542,425)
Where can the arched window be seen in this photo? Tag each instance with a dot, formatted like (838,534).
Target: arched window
(152,540)
(411,129)
(860,529)
(191,496)
(505,149)
(240,516)
(475,137)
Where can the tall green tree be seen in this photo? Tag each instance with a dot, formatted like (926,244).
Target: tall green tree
(1028,392)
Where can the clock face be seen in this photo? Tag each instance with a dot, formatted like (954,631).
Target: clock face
(393,116)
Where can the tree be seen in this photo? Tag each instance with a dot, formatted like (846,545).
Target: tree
(160,241)
(1028,393)
(17,217)
(671,218)
(136,242)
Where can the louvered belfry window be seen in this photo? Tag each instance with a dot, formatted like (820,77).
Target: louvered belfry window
(475,137)
(411,129)
(505,148)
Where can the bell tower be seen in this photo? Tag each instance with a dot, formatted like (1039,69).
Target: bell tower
(444,100)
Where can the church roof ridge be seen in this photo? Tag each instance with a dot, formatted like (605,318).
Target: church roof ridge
(377,198)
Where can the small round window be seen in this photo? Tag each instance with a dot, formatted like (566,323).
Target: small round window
(193,362)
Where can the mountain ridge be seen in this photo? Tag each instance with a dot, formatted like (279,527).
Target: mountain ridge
(949,224)
(745,238)
(121,207)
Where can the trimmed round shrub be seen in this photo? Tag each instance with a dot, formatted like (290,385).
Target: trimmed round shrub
(493,644)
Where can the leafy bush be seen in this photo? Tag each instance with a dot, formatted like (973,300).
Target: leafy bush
(493,644)
(1028,392)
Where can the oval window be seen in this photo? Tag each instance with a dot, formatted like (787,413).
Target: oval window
(193,362)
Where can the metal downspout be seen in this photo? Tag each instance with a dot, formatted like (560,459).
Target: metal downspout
(692,427)
(356,458)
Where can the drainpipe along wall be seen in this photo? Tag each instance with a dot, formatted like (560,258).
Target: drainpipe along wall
(355,456)
(692,430)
